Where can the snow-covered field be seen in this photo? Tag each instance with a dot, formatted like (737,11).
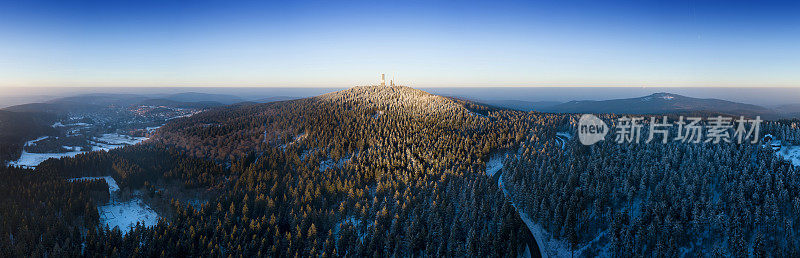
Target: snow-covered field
(790,153)
(125,214)
(31,160)
(105,142)
(59,124)
(118,139)
(28,159)
(122,214)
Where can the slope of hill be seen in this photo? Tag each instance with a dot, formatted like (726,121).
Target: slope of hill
(59,107)
(16,128)
(662,103)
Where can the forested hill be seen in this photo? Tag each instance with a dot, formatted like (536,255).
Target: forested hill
(230,133)
(368,171)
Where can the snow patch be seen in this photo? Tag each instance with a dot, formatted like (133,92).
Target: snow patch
(564,134)
(119,139)
(328,163)
(33,142)
(295,140)
(790,153)
(112,141)
(495,164)
(562,138)
(59,124)
(125,215)
(105,142)
(31,160)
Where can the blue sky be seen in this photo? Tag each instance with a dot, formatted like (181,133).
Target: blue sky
(421,43)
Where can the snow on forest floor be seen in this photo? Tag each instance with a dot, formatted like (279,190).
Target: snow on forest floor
(564,134)
(473,113)
(548,246)
(352,221)
(790,153)
(112,184)
(122,214)
(562,138)
(328,163)
(495,164)
(296,139)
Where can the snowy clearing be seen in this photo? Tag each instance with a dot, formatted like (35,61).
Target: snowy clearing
(118,139)
(106,142)
(122,214)
(125,214)
(328,163)
(31,160)
(790,153)
(495,164)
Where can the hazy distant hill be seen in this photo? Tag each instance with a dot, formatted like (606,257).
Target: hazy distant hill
(179,104)
(275,98)
(88,103)
(59,107)
(663,103)
(521,104)
(103,99)
(204,97)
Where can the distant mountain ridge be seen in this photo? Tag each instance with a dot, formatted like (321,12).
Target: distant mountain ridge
(663,103)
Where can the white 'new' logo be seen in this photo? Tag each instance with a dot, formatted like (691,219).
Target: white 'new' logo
(591,129)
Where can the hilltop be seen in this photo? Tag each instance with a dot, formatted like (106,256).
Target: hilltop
(255,126)
(394,98)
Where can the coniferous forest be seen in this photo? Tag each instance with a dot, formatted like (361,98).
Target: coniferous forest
(394,171)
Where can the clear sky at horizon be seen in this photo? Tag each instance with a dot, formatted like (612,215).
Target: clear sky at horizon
(422,43)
